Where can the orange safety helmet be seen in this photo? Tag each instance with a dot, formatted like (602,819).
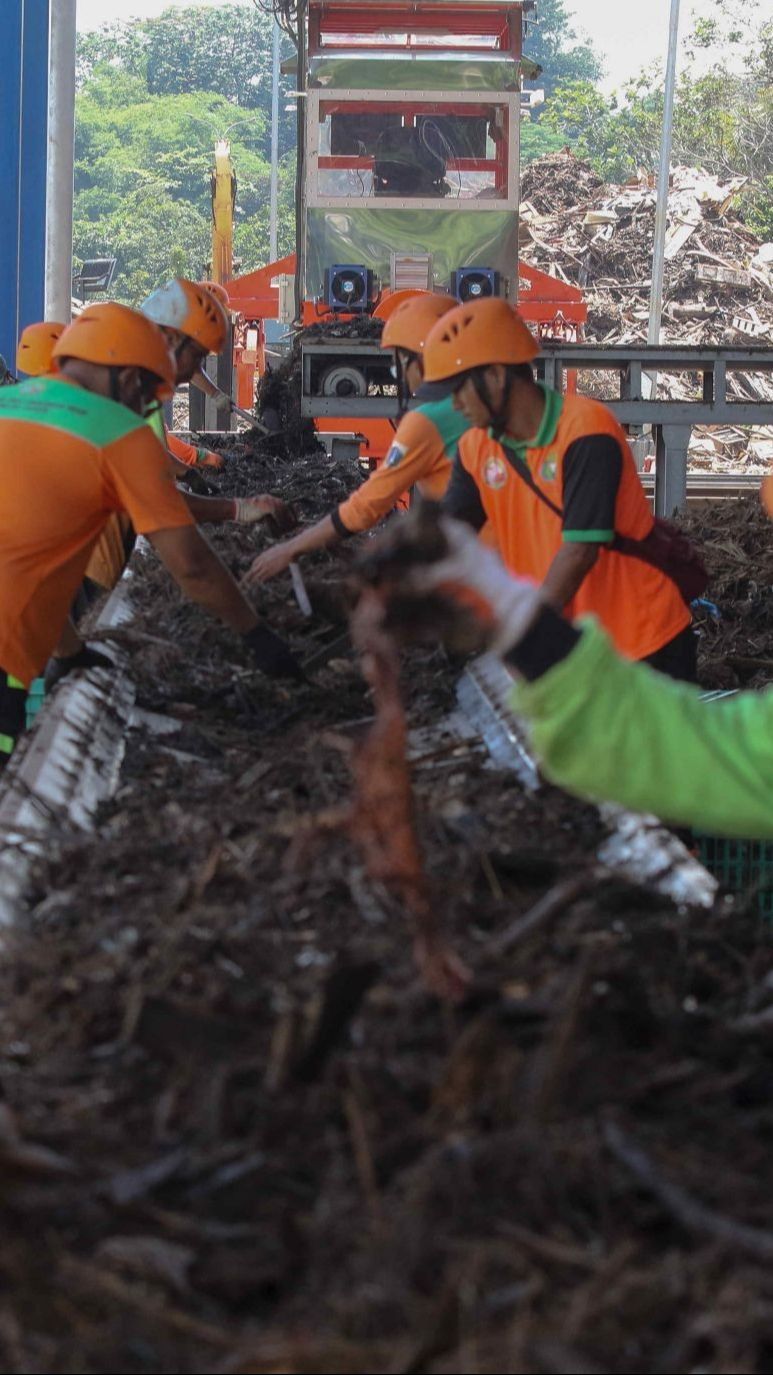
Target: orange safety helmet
(115,336)
(217,290)
(190,308)
(409,325)
(36,346)
(476,335)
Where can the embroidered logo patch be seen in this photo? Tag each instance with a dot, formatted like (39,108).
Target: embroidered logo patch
(549,469)
(494,473)
(396,455)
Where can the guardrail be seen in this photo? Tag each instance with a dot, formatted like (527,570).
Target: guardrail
(637,368)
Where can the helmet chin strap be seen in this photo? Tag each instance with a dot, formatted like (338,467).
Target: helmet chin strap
(498,417)
(114,385)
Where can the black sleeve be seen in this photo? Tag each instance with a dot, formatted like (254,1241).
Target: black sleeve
(339,526)
(591,478)
(549,640)
(462,498)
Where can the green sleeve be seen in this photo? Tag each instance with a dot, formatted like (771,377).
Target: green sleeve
(614,730)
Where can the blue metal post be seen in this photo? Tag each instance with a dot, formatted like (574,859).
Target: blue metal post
(23,153)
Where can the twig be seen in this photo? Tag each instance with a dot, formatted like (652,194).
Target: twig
(753,1023)
(550,1248)
(689,1211)
(555,901)
(93,1280)
(361,1149)
(497,891)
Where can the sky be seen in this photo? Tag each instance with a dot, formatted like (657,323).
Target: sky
(627,34)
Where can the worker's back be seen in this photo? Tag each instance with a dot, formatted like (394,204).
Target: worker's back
(68,458)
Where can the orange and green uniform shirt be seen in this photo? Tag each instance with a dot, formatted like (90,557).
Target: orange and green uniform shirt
(114,546)
(421,455)
(575,481)
(68,461)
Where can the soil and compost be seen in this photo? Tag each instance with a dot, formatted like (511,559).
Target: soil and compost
(238,1133)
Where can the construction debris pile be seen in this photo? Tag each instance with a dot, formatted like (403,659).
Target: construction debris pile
(238,1135)
(718,275)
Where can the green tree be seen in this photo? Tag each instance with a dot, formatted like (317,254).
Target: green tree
(723,114)
(537,139)
(227,51)
(145,135)
(553,41)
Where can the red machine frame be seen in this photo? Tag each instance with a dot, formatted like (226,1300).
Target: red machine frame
(556,309)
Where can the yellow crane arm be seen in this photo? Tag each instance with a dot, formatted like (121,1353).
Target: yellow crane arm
(223,201)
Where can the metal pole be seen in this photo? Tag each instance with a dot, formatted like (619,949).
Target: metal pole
(61,157)
(300,172)
(274,220)
(658,258)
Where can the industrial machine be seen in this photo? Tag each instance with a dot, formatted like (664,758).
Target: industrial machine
(410,183)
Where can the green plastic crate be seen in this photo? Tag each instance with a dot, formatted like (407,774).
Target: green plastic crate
(34,701)
(740,866)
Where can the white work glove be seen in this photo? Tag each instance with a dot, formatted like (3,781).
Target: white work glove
(249,509)
(513,604)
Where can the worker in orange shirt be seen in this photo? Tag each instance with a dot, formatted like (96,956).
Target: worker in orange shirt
(194,323)
(556,479)
(34,356)
(75,448)
(421,453)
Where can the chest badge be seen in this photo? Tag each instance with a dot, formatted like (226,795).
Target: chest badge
(495,473)
(549,469)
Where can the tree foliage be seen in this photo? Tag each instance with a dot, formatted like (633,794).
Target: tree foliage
(152,99)
(154,95)
(723,114)
(553,41)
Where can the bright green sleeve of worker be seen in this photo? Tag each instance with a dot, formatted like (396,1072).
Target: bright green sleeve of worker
(610,729)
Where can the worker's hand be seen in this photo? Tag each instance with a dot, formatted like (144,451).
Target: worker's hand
(272,656)
(443,972)
(476,574)
(58,668)
(268,564)
(249,509)
(206,458)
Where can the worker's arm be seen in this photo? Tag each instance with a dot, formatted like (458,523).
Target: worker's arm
(608,728)
(202,576)
(611,729)
(462,499)
(137,479)
(568,572)
(274,560)
(191,455)
(417,448)
(591,479)
(416,452)
(243,510)
(179,468)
